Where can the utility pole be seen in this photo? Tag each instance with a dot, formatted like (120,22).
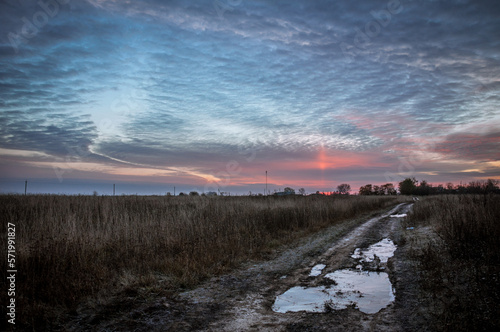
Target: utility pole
(174,190)
(113,189)
(266,183)
(25,186)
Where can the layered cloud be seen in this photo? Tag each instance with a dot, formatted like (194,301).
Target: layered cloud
(180,89)
(483,147)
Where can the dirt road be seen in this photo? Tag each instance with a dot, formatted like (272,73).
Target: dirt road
(246,299)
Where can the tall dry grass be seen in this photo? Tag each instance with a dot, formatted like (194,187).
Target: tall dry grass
(72,247)
(461,270)
(469,225)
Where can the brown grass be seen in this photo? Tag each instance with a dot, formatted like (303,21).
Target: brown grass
(70,248)
(460,270)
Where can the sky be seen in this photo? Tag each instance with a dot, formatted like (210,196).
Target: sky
(209,95)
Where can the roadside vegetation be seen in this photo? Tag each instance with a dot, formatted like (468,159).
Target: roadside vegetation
(75,249)
(458,258)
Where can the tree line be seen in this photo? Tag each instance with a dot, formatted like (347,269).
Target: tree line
(410,186)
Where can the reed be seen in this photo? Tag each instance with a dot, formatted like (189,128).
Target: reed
(70,248)
(460,269)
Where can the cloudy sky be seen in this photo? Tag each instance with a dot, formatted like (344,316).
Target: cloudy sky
(207,95)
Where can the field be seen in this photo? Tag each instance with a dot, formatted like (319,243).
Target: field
(455,248)
(77,254)
(72,249)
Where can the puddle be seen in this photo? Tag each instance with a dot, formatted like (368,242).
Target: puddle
(316,270)
(369,291)
(399,215)
(383,249)
(299,298)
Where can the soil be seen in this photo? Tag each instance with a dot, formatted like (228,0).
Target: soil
(243,299)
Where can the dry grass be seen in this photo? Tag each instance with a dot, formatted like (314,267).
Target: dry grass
(70,248)
(460,271)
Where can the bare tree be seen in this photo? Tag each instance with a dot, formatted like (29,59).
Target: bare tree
(388,189)
(344,188)
(366,190)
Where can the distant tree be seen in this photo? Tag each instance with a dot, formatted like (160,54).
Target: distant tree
(474,187)
(344,188)
(388,189)
(366,190)
(492,186)
(381,190)
(482,187)
(440,189)
(182,194)
(408,186)
(302,191)
(194,193)
(423,189)
(289,191)
(461,189)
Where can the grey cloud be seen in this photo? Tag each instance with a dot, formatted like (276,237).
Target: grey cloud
(471,146)
(59,136)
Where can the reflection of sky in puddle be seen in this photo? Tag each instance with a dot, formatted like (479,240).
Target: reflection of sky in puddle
(316,270)
(370,291)
(383,249)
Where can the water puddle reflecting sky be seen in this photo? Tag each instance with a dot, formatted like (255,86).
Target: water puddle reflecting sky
(370,291)
(316,270)
(383,250)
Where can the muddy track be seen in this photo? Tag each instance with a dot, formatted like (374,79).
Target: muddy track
(243,300)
